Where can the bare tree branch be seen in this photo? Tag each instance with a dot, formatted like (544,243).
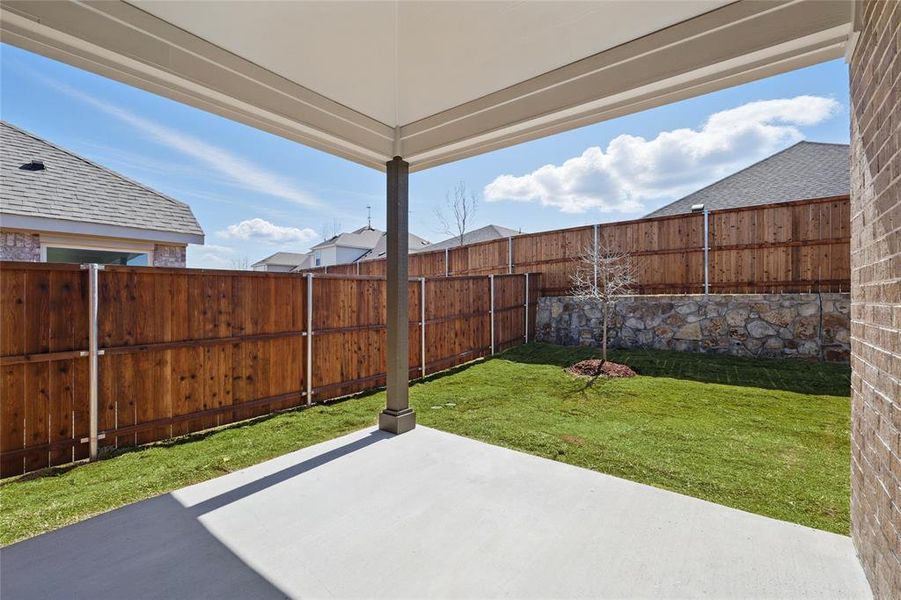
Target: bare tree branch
(604,274)
(456,216)
(241,264)
(330,230)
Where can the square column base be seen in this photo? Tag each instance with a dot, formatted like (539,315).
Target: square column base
(397,421)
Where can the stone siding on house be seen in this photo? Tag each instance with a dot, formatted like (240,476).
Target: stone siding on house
(169,256)
(20,246)
(771,325)
(876,295)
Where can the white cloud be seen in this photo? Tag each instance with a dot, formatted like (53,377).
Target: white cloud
(227,164)
(210,256)
(261,230)
(633,170)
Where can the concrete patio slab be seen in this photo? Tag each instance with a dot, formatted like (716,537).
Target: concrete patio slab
(428,514)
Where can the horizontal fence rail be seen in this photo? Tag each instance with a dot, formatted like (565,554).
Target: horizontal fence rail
(182,350)
(800,246)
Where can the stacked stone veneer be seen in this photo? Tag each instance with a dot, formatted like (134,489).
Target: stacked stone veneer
(796,325)
(20,246)
(876,295)
(169,256)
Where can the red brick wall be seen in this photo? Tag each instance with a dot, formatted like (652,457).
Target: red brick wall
(876,294)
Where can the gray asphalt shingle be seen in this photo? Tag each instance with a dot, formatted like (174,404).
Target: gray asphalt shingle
(482,234)
(75,189)
(800,172)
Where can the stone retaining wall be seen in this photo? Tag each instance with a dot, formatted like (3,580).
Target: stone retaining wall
(771,325)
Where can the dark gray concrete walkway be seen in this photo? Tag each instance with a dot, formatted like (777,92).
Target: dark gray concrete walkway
(428,514)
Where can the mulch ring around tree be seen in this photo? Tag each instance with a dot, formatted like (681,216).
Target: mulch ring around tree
(595,367)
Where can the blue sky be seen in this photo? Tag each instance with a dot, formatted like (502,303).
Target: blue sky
(255,193)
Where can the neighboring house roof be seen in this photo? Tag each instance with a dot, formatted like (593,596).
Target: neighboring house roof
(380,250)
(364,237)
(74,190)
(805,170)
(483,234)
(373,241)
(286,259)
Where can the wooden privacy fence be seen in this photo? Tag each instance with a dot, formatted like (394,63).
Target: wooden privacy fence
(182,350)
(787,247)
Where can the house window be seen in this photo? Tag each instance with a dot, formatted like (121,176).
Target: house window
(103,257)
(318,258)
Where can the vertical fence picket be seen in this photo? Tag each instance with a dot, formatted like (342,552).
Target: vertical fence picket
(526,306)
(422,325)
(309,335)
(491,311)
(706,251)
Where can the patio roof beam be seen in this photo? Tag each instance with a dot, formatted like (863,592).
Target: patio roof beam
(726,46)
(122,42)
(737,43)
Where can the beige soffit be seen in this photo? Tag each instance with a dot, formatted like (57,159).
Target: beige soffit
(430,81)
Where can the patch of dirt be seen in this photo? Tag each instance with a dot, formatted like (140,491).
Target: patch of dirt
(595,367)
(575,440)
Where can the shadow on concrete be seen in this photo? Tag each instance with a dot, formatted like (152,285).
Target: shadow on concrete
(791,375)
(157,548)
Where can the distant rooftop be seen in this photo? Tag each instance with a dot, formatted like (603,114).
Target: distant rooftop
(482,234)
(286,259)
(364,237)
(370,239)
(800,172)
(43,181)
(380,250)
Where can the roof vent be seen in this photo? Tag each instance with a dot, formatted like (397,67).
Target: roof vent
(35,165)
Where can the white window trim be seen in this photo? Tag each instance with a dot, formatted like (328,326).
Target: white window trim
(76,243)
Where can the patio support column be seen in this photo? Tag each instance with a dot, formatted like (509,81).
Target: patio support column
(398,417)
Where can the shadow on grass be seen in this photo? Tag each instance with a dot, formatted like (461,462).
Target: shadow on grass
(108,452)
(792,375)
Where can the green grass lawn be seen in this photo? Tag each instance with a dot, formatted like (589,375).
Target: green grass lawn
(766,436)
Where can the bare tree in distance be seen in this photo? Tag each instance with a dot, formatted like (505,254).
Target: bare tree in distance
(330,230)
(241,264)
(458,211)
(603,275)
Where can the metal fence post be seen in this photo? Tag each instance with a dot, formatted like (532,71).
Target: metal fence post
(706,251)
(527,307)
(491,284)
(422,324)
(510,254)
(309,376)
(446,263)
(93,354)
(595,257)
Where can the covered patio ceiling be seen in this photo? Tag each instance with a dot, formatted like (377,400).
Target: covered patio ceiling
(432,82)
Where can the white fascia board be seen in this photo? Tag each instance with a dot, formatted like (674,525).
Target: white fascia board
(736,43)
(645,98)
(44,224)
